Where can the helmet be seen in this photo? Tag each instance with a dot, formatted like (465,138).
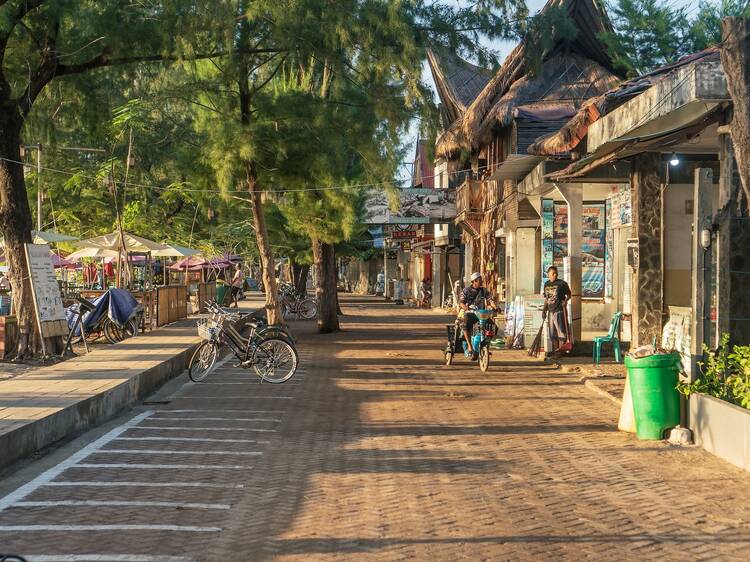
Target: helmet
(475,275)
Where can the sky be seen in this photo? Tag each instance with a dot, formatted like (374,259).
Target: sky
(503,48)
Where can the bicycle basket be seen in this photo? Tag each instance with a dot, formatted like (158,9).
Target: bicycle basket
(207,330)
(482,314)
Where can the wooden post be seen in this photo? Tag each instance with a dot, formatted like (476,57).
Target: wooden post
(703,189)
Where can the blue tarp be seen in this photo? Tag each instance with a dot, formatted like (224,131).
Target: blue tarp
(118,304)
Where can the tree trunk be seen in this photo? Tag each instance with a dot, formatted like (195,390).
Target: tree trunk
(273,307)
(325,272)
(735,58)
(15,226)
(299,277)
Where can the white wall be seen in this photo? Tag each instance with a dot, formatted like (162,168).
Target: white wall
(525,268)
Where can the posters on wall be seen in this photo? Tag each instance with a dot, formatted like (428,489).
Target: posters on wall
(621,213)
(560,238)
(548,217)
(593,249)
(609,256)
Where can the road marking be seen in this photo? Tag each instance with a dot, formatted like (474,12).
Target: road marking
(96,503)
(207,439)
(169,428)
(53,528)
(133,465)
(144,484)
(72,460)
(218,419)
(171,452)
(104,558)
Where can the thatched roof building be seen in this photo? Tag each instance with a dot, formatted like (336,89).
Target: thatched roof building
(571,72)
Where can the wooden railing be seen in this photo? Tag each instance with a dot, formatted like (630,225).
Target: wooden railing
(469,197)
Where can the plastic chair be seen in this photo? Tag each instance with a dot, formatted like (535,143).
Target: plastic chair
(611,337)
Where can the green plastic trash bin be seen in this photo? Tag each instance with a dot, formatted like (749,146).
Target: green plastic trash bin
(656,402)
(221,293)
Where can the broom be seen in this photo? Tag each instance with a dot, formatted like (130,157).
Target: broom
(536,345)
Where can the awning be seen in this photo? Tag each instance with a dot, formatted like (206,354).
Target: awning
(516,166)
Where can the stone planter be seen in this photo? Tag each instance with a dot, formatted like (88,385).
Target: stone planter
(721,428)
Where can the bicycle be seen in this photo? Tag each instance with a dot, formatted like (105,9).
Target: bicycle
(295,303)
(268,350)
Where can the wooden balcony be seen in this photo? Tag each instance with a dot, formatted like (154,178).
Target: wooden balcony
(469,205)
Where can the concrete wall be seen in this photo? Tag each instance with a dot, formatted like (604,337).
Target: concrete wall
(678,231)
(525,266)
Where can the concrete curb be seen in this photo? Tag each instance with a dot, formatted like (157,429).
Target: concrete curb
(73,420)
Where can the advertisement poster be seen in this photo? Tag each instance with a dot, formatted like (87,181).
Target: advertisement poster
(548,218)
(593,250)
(621,213)
(560,241)
(609,256)
(416,206)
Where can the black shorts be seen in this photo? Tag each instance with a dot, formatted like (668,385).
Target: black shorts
(235,291)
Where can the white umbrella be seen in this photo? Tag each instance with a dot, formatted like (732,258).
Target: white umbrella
(132,243)
(47,236)
(174,251)
(91,252)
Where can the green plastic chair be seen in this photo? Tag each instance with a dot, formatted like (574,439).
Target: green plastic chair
(611,337)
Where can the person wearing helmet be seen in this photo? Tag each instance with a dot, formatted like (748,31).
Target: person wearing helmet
(474,295)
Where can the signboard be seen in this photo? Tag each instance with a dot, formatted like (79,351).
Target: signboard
(548,217)
(47,298)
(416,206)
(676,335)
(633,257)
(532,317)
(400,234)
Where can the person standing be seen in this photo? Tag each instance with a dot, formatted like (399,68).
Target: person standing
(556,296)
(237,282)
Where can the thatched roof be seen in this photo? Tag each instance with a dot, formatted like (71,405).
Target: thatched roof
(571,134)
(458,82)
(563,83)
(590,21)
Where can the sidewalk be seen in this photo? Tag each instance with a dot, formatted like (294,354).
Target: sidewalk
(43,405)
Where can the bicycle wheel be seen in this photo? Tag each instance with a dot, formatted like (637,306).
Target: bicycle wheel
(307,309)
(275,360)
(203,361)
(115,333)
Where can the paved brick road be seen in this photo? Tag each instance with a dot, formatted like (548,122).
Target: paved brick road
(379,452)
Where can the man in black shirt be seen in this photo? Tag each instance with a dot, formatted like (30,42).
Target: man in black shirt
(556,296)
(473,295)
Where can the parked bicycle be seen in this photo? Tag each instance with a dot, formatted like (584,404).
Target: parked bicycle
(297,304)
(268,350)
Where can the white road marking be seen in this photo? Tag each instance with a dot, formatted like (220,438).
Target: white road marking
(72,460)
(170,452)
(186,428)
(88,528)
(144,484)
(207,439)
(96,503)
(217,419)
(162,466)
(104,558)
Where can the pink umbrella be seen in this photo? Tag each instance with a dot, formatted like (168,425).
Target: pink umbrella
(59,262)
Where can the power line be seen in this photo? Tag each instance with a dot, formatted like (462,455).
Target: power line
(321,188)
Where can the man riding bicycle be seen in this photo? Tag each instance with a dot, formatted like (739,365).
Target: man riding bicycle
(473,295)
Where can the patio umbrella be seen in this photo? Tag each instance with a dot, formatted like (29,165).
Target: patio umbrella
(91,252)
(47,236)
(130,242)
(59,262)
(174,251)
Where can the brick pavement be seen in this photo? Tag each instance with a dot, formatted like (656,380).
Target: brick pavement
(379,452)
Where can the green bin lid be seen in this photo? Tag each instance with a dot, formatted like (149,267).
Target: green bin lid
(660,360)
